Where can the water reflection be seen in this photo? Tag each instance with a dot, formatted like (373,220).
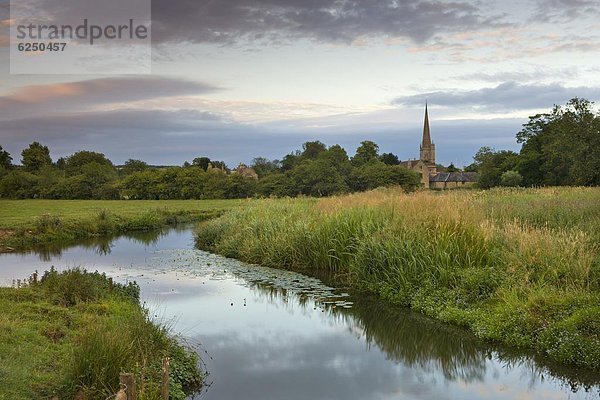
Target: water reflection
(420,342)
(101,245)
(282,335)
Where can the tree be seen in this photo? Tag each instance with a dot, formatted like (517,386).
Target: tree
(511,179)
(377,174)
(201,162)
(290,161)
(19,184)
(561,147)
(239,187)
(389,159)
(75,163)
(491,164)
(5,160)
(264,167)
(35,157)
(452,168)
(317,178)
(132,166)
(141,185)
(60,163)
(311,150)
(367,152)
(220,165)
(337,158)
(276,184)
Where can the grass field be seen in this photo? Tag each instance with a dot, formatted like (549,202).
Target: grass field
(26,223)
(517,266)
(23,213)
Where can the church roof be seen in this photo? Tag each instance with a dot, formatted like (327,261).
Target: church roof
(454,177)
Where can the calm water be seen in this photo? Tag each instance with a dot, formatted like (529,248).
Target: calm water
(270,334)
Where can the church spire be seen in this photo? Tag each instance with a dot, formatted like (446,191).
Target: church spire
(426,135)
(427,146)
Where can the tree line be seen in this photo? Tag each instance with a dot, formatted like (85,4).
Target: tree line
(315,170)
(559,148)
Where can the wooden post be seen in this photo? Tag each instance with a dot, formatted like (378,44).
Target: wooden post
(165,379)
(128,381)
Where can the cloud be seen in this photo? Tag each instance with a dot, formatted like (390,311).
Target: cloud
(331,21)
(565,10)
(533,75)
(73,96)
(508,96)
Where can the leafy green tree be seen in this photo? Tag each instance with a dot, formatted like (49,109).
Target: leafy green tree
(389,159)
(276,184)
(132,166)
(201,162)
(60,163)
(317,178)
(141,185)
(264,167)
(5,160)
(337,158)
(18,184)
(311,150)
(75,163)
(290,161)
(239,187)
(215,185)
(367,152)
(491,164)
(378,174)
(191,182)
(35,157)
(49,176)
(561,147)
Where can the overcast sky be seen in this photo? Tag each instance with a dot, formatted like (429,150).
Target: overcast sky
(236,79)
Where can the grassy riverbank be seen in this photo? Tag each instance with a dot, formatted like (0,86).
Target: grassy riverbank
(521,267)
(74,332)
(26,223)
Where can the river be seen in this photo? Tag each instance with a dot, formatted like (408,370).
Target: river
(271,334)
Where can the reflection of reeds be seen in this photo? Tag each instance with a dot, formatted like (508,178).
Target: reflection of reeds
(485,260)
(418,341)
(101,245)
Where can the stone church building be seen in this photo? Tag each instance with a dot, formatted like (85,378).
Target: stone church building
(430,177)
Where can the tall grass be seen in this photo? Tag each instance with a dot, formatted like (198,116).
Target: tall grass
(509,264)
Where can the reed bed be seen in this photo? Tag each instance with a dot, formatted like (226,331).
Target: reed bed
(517,266)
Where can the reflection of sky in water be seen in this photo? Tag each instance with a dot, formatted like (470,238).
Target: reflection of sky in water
(287,336)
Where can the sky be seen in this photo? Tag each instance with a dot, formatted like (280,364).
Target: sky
(238,79)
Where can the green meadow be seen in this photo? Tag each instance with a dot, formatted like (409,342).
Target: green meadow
(516,266)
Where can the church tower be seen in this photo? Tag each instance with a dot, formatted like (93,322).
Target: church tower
(427,146)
